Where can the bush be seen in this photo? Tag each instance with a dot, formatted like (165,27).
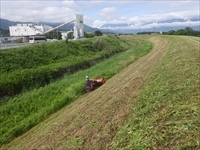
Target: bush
(20,40)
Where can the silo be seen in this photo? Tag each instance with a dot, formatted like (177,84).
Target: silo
(75,32)
(81,33)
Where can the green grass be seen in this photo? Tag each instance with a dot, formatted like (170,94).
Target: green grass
(26,110)
(34,66)
(75,143)
(166,115)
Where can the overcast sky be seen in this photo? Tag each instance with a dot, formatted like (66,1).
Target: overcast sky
(99,12)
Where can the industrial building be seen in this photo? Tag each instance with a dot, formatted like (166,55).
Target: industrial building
(78,27)
(26,30)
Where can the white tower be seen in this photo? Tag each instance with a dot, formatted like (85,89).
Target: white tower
(78,27)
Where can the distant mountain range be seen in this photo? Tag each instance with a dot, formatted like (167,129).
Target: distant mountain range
(162,26)
(4,24)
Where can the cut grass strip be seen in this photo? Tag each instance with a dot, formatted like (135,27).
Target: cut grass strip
(166,115)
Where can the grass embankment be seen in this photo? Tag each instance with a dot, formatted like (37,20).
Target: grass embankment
(25,111)
(34,66)
(166,115)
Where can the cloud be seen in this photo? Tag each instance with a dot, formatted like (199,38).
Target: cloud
(70,4)
(48,11)
(156,25)
(141,20)
(181,3)
(99,12)
(98,23)
(107,12)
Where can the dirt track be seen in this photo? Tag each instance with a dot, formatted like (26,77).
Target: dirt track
(92,121)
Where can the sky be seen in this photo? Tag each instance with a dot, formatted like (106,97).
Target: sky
(136,13)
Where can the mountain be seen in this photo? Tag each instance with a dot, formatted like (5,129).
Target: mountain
(163,26)
(4,24)
(115,25)
(156,29)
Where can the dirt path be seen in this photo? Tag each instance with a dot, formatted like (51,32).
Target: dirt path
(92,121)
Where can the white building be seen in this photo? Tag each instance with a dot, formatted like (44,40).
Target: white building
(28,29)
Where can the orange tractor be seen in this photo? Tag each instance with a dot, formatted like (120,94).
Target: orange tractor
(94,83)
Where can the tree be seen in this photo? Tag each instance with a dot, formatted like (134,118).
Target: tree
(181,32)
(189,31)
(70,35)
(186,31)
(171,32)
(20,40)
(55,34)
(98,33)
(88,35)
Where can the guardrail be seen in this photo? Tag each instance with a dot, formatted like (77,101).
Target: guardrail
(11,45)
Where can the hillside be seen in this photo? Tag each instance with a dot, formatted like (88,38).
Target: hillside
(162,84)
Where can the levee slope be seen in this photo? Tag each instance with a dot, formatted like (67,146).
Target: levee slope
(92,121)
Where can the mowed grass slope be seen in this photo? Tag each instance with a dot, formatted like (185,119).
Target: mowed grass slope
(24,111)
(166,115)
(151,104)
(92,120)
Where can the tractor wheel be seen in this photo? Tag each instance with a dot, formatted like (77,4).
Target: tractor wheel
(89,88)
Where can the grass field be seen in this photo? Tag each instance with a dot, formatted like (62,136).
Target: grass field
(37,65)
(24,111)
(166,115)
(153,103)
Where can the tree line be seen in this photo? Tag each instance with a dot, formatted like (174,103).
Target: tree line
(186,31)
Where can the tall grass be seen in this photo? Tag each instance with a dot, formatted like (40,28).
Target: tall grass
(26,110)
(37,65)
(166,115)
